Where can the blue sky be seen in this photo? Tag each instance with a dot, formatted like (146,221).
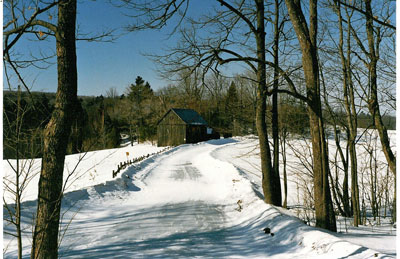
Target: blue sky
(102,66)
(105,65)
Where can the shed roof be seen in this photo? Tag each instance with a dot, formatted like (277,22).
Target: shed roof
(189,116)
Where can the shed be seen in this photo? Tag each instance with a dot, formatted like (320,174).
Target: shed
(181,126)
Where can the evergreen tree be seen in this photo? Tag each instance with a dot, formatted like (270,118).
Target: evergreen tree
(140,96)
(232,109)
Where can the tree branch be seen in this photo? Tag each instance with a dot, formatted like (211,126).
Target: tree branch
(384,23)
(236,11)
(31,22)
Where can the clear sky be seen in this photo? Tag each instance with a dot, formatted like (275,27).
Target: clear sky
(104,65)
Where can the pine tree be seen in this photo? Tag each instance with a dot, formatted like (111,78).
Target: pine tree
(232,109)
(140,95)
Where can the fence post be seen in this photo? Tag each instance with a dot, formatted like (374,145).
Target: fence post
(122,165)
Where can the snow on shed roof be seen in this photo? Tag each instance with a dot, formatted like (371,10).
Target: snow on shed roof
(189,116)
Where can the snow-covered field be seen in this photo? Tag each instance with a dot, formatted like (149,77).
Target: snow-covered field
(200,200)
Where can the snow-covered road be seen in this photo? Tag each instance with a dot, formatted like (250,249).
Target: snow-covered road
(185,203)
(166,211)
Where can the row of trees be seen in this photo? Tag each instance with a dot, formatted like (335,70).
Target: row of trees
(353,34)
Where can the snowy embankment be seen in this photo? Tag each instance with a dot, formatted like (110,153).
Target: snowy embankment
(80,170)
(189,201)
(245,157)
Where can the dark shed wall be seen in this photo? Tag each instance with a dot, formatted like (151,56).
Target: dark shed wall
(171,131)
(196,133)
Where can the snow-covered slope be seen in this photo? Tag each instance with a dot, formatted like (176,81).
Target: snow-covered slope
(80,170)
(189,201)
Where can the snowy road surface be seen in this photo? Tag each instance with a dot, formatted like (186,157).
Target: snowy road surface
(175,213)
(186,203)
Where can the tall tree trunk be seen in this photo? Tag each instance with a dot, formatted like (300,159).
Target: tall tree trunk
(352,122)
(269,182)
(351,115)
(373,104)
(18,127)
(325,217)
(283,146)
(344,198)
(274,122)
(45,238)
(355,198)
(394,213)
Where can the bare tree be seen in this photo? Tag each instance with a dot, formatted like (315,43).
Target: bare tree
(376,187)
(58,129)
(374,36)
(15,185)
(292,122)
(45,238)
(373,104)
(350,108)
(270,181)
(277,25)
(112,93)
(307,36)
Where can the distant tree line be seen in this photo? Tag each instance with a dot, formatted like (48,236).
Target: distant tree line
(227,105)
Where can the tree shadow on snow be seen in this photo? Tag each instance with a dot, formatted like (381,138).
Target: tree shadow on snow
(245,239)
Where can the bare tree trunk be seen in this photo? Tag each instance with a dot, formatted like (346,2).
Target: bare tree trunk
(283,147)
(372,181)
(350,105)
(17,176)
(355,200)
(325,217)
(275,126)
(269,181)
(45,238)
(345,162)
(373,104)
(394,213)
(336,191)
(338,196)
(351,115)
